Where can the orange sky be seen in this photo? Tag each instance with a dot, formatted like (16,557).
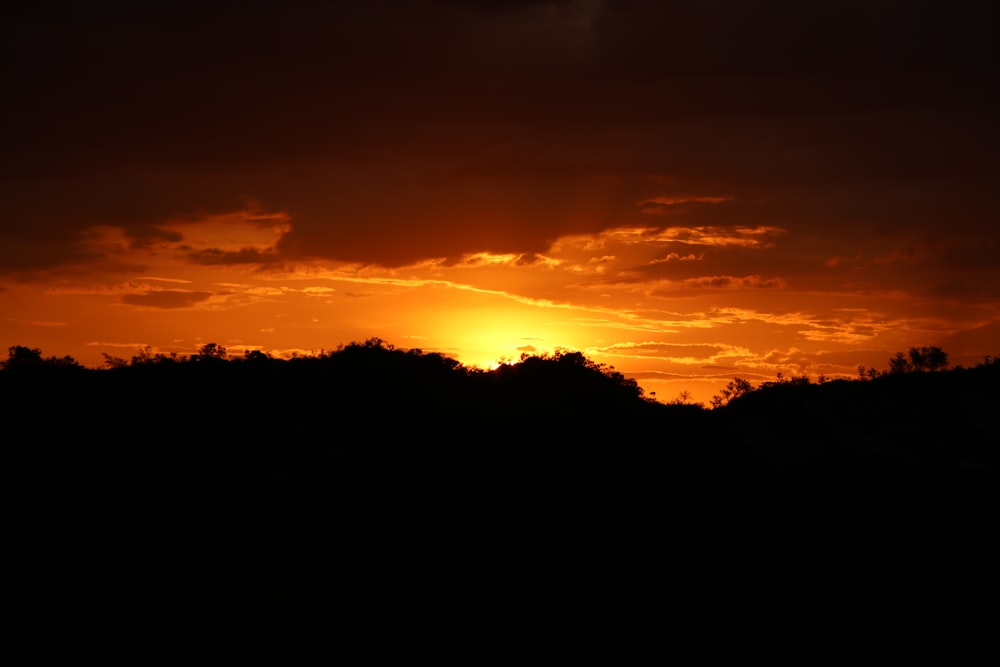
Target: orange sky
(687,194)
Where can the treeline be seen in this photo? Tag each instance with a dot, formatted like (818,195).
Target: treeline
(915,360)
(389,395)
(380,392)
(380,506)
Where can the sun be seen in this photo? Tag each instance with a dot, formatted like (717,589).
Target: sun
(486,337)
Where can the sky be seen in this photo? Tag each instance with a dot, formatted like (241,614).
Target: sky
(686,191)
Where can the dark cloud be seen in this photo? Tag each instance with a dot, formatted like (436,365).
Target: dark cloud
(528,259)
(143,237)
(25,255)
(215,256)
(720,283)
(166,299)
(395,131)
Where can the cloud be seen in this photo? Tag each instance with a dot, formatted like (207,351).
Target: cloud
(101,343)
(484,131)
(677,353)
(215,256)
(39,323)
(716,236)
(668,205)
(161,279)
(674,257)
(34,256)
(719,283)
(318,291)
(747,237)
(151,236)
(166,299)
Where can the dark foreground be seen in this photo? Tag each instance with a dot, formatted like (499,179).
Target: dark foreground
(173,529)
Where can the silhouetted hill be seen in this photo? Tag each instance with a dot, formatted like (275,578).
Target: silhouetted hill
(376,506)
(944,416)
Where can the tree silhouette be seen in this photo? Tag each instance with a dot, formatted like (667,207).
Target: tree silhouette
(256,356)
(20,356)
(918,359)
(210,352)
(737,387)
(681,399)
(114,362)
(868,372)
(899,363)
(928,358)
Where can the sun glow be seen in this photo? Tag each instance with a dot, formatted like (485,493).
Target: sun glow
(652,302)
(484,334)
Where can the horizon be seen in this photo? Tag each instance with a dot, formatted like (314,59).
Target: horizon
(903,362)
(686,194)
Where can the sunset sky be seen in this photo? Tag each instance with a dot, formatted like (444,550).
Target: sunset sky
(686,191)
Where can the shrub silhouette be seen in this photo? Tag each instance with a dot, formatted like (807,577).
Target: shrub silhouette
(736,388)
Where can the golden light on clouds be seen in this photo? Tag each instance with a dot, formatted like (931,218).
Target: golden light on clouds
(611,295)
(486,179)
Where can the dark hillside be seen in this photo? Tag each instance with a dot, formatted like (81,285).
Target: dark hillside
(945,416)
(375,506)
